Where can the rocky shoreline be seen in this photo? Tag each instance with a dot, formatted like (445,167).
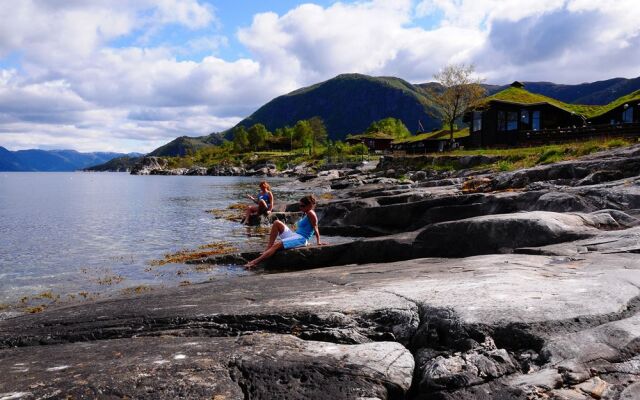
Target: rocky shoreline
(465,285)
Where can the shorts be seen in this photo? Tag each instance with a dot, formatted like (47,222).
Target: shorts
(291,239)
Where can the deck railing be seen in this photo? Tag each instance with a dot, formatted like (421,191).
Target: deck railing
(569,134)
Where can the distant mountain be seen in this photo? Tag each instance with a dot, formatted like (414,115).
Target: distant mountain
(349,103)
(52,160)
(8,160)
(119,164)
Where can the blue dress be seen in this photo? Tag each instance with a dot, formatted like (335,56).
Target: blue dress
(266,198)
(300,237)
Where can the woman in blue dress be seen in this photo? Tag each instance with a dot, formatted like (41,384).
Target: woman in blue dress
(264,202)
(287,239)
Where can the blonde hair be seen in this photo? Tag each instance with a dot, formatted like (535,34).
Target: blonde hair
(266,186)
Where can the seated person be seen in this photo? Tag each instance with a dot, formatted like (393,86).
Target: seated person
(307,227)
(264,203)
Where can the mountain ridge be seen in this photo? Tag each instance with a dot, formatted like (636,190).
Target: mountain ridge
(36,160)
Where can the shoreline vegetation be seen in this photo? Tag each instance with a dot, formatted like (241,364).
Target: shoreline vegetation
(284,163)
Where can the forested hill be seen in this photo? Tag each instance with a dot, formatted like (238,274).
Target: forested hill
(348,104)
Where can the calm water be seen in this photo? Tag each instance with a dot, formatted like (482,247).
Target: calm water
(95,234)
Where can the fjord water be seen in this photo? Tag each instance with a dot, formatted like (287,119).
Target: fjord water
(70,233)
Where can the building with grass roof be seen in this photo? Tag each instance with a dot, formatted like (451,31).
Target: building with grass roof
(427,142)
(500,118)
(375,141)
(513,115)
(623,110)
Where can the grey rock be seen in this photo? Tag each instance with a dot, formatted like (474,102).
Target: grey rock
(419,176)
(254,366)
(149,164)
(198,171)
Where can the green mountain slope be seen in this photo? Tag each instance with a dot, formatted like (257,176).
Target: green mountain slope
(186,145)
(348,104)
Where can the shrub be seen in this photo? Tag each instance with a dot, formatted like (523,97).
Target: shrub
(550,156)
(505,166)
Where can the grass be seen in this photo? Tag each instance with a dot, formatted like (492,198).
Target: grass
(436,135)
(522,96)
(526,157)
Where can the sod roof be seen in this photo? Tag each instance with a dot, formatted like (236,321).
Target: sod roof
(631,97)
(372,135)
(442,134)
(516,95)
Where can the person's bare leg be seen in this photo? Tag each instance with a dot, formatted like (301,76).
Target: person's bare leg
(276,229)
(268,253)
(247,214)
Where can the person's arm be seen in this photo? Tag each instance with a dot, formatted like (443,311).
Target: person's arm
(252,198)
(313,219)
(270,202)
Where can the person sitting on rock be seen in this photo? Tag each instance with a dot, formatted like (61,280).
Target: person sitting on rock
(264,203)
(307,227)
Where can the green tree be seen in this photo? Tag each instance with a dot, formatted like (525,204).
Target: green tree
(226,146)
(258,134)
(335,150)
(240,139)
(390,126)
(302,134)
(458,92)
(359,149)
(318,132)
(289,132)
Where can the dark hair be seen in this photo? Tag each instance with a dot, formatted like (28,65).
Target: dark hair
(309,199)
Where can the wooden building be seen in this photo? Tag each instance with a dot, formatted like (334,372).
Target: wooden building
(501,119)
(624,110)
(516,116)
(376,141)
(429,142)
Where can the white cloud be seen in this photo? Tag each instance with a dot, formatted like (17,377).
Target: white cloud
(312,43)
(566,41)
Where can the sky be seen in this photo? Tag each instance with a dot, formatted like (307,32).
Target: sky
(132,75)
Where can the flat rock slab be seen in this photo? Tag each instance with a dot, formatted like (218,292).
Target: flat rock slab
(356,304)
(255,366)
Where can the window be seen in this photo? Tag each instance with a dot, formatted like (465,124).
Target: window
(502,121)
(512,121)
(535,120)
(627,115)
(524,120)
(477,121)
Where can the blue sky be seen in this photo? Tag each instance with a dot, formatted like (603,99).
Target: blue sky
(131,75)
